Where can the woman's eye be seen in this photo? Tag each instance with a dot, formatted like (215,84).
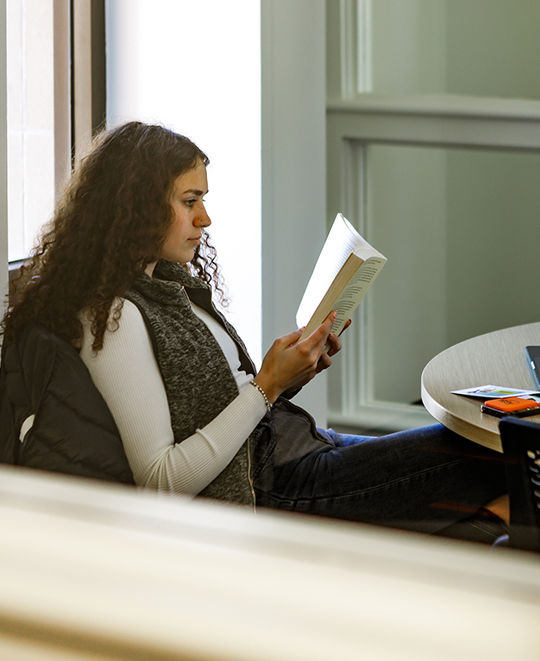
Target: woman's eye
(190,203)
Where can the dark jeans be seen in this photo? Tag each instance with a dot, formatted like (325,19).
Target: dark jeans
(421,479)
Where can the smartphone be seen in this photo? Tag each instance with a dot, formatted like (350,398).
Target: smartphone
(516,406)
(533,356)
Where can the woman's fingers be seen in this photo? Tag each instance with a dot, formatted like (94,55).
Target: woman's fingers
(290,363)
(349,322)
(290,339)
(334,344)
(324,362)
(320,334)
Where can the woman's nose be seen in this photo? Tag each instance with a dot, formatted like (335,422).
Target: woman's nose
(203,219)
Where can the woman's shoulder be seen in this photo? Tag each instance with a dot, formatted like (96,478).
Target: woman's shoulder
(128,310)
(128,325)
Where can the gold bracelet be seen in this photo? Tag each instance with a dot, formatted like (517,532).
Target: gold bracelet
(266,400)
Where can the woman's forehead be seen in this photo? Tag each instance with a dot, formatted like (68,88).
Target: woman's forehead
(194,180)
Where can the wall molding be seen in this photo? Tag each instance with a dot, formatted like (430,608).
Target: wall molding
(441,121)
(438,120)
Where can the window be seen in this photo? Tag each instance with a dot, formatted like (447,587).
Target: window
(31,148)
(56,99)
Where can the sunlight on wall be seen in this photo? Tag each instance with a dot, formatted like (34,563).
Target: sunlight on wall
(195,67)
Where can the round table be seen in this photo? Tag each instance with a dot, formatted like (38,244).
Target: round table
(497,359)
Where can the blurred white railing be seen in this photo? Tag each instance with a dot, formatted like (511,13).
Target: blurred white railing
(105,572)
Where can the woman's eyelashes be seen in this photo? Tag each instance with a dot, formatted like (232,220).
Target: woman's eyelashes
(192,202)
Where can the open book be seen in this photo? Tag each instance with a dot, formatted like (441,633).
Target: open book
(345,270)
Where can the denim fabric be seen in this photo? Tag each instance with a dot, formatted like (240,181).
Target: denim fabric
(422,479)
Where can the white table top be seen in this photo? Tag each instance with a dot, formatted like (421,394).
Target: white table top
(496,358)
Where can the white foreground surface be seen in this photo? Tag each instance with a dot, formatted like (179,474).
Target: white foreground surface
(89,571)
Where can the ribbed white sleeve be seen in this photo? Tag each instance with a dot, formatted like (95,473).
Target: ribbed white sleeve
(126,373)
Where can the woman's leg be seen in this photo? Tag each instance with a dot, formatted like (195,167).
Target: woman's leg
(423,479)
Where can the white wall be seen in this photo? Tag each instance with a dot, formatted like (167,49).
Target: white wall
(195,67)
(293,166)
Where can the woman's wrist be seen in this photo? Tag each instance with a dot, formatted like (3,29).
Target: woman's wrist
(271,393)
(266,400)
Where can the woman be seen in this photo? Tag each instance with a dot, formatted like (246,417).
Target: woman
(125,274)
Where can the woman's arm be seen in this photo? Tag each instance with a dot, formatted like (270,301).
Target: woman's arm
(126,373)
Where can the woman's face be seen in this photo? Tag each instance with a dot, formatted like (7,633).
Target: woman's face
(189,215)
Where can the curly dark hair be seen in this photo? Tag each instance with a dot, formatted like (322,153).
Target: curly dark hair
(110,223)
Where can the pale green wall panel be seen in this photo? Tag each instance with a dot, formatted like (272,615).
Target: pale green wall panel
(493,47)
(493,242)
(407,223)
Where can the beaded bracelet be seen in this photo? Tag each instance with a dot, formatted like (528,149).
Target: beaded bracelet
(266,400)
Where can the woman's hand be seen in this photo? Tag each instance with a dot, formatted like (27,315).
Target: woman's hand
(333,345)
(291,364)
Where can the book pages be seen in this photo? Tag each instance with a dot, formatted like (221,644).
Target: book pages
(336,282)
(354,292)
(341,241)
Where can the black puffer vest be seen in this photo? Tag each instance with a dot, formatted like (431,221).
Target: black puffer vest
(52,416)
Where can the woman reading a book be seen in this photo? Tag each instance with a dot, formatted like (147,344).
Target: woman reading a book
(126,274)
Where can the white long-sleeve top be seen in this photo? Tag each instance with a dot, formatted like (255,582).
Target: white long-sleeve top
(127,375)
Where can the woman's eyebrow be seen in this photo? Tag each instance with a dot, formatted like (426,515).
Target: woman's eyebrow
(194,191)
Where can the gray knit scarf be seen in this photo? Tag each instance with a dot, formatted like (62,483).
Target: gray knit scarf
(197,378)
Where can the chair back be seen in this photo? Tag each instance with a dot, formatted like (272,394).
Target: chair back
(521,447)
